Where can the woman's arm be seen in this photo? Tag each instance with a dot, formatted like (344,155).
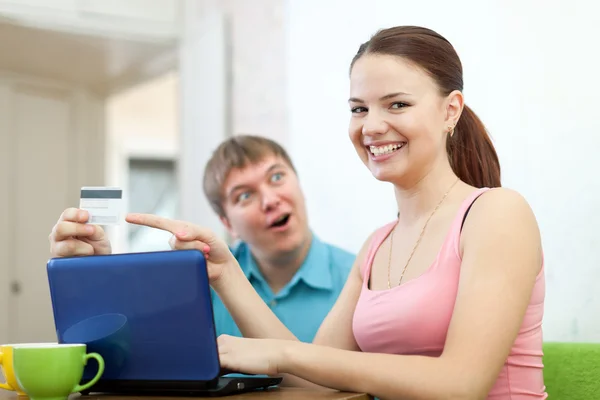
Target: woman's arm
(335,332)
(256,320)
(501,259)
(336,329)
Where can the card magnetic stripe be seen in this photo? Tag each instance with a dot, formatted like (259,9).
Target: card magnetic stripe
(101,194)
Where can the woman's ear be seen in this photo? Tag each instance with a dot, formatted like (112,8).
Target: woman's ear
(454,106)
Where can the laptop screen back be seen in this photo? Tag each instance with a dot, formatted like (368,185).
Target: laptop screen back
(148,314)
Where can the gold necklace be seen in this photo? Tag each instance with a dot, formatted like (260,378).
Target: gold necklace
(418,240)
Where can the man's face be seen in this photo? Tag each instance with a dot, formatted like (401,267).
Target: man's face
(264,207)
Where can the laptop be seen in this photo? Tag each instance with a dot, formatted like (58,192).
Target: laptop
(150,316)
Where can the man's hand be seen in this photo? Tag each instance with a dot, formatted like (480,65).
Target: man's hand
(71,236)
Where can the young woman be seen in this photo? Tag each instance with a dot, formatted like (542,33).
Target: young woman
(445,302)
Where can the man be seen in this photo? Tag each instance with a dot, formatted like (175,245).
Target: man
(251,183)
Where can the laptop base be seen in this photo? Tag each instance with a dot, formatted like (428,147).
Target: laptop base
(222,386)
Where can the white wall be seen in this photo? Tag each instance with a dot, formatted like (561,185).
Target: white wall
(256,40)
(530,74)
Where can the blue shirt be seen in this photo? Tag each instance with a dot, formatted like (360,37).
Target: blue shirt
(307,298)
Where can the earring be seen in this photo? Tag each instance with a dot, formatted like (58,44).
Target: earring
(451,131)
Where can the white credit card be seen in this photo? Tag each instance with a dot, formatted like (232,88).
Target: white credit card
(104,204)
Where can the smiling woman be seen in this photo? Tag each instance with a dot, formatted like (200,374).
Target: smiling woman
(419,306)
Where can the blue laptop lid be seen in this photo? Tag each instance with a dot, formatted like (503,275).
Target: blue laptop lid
(148,314)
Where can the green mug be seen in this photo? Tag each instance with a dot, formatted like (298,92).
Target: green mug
(6,362)
(53,371)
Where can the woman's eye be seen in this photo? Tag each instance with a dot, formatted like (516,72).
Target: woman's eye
(357,110)
(399,105)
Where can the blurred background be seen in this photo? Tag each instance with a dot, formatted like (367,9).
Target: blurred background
(137,94)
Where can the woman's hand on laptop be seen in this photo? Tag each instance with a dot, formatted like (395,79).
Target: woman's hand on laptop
(72,236)
(251,356)
(189,236)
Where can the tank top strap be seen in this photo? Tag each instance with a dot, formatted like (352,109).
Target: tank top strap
(461,215)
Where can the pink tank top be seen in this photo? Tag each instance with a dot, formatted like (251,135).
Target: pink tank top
(413,318)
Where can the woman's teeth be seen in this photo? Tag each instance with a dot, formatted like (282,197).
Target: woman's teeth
(387,149)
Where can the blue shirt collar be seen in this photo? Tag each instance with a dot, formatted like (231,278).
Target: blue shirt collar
(315,271)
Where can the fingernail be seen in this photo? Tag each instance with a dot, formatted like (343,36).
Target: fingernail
(89,229)
(206,249)
(182,234)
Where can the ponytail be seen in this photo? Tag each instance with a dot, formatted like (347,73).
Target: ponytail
(471,152)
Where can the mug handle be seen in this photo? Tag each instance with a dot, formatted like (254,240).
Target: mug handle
(4,386)
(100,361)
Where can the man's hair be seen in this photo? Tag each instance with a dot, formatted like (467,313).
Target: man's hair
(236,152)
